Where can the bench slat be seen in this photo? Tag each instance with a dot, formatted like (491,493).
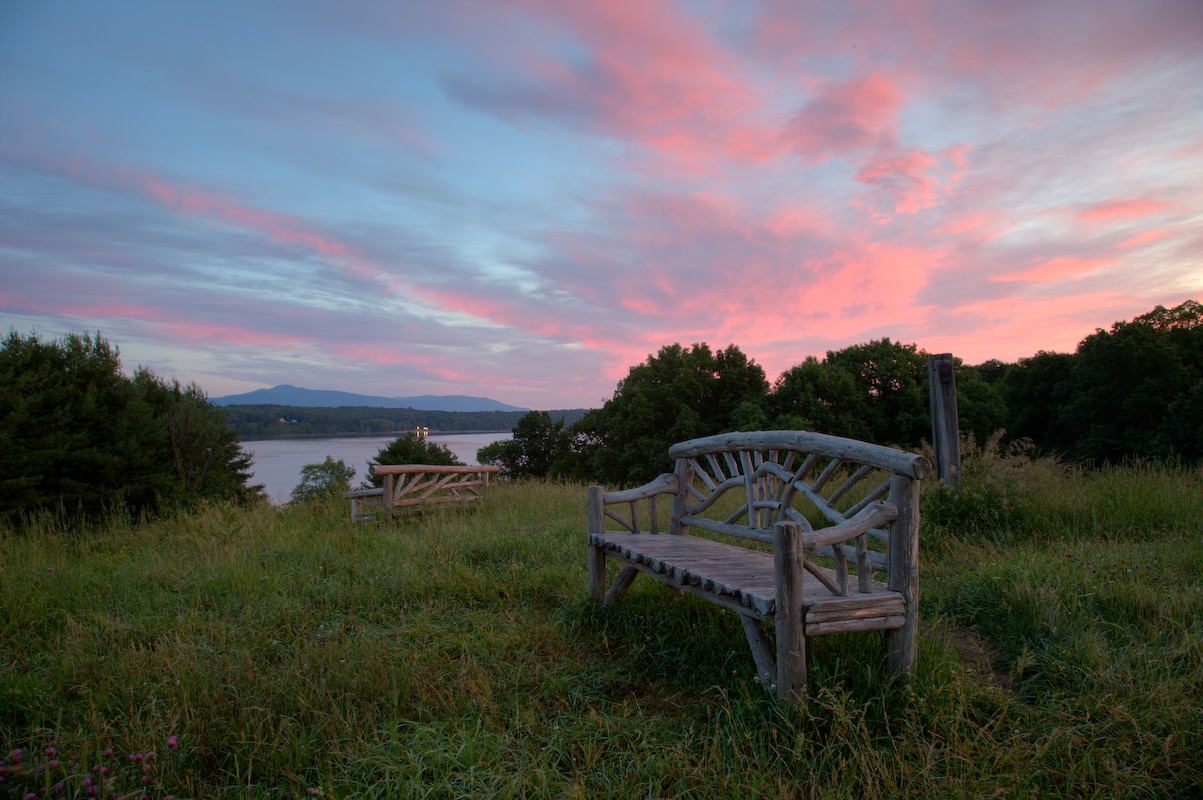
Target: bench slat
(742,575)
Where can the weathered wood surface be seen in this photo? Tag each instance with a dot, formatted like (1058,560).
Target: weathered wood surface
(900,461)
(744,577)
(857,571)
(365,503)
(410,486)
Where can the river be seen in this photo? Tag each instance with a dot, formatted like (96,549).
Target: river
(276,463)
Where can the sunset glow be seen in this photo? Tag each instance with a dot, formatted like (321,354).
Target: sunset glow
(521,200)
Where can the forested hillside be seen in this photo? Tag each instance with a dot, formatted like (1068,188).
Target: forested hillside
(272,422)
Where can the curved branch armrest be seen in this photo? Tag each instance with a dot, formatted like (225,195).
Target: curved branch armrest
(872,516)
(665,484)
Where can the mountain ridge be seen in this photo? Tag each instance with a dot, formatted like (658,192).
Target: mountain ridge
(286,395)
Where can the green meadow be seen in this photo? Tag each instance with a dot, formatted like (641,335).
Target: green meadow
(263,652)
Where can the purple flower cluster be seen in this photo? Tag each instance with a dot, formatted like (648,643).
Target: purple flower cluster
(48,776)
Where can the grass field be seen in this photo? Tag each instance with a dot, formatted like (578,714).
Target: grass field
(287,653)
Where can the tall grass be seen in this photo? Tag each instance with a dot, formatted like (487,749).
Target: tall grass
(455,655)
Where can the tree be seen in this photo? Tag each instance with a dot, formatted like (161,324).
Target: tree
(533,449)
(981,411)
(203,451)
(1181,434)
(1035,390)
(81,436)
(878,392)
(816,396)
(891,380)
(73,430)
(680,393)
(1124,382)
(410,449)
(1128,391)
(319,481)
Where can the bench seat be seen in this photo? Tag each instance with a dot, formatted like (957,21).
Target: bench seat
(743,580)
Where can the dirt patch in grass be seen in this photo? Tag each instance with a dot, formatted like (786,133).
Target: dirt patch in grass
(978,656)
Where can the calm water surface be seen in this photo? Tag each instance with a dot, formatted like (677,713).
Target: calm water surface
(276,463)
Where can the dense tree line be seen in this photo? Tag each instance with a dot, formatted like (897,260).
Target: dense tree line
(1135,391)
(79,436)
(274,422)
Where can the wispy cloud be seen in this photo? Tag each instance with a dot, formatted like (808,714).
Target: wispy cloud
(523,200)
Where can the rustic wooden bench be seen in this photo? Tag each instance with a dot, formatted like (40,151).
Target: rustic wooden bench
(408,487)
(808,532)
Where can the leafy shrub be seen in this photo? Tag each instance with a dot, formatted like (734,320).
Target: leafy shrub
(1000,496)
(531,453)
(328,479)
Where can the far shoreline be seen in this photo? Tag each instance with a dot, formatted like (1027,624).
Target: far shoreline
(371,434)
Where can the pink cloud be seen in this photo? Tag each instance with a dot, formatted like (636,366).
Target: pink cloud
(1016,327)
(1041,55)
(189,201)
(1123,210)
(845,117)
(165,323)
(1145,237)
(209,332)
(1058,269)
(792,220)
(977,226)
(643,72)
(908,183)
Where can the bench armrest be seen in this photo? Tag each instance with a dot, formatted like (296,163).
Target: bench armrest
(665,484)
(871,516)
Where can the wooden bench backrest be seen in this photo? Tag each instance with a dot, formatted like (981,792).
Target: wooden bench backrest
(741,484)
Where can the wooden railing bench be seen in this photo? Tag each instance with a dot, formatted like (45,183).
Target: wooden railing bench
(408,487)
(859,572)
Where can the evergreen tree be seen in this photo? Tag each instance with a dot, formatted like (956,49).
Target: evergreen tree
(82,437)
(203,453)
(410,449)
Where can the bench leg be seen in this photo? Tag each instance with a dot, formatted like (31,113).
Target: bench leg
(789,565)
(618,589)
(597,573)
(760,651)
(901,646)
(791,664)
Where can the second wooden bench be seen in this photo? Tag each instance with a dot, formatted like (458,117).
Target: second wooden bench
(411,486)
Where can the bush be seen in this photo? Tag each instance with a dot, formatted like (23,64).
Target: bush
(318,481)
(531,453)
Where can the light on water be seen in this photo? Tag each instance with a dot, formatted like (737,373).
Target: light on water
(277,463)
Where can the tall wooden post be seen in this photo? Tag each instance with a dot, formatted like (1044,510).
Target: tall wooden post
(945,432)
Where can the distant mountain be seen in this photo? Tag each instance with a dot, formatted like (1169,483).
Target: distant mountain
(325,398)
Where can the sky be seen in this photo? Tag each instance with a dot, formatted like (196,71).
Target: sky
(522,200)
